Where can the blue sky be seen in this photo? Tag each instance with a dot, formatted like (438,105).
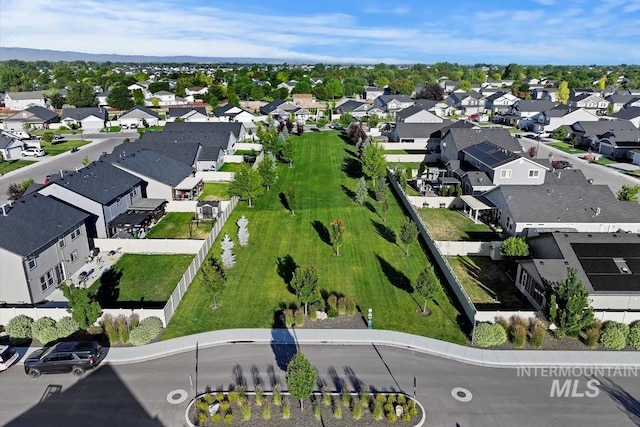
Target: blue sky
(410,31)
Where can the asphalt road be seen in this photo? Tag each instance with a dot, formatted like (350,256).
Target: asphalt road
(137,394)
(67,161)
(599,173)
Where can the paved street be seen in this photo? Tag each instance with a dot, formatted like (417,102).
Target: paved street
(101,142)
(600,174)
(137,394)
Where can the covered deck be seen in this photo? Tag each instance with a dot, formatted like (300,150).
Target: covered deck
(477,208)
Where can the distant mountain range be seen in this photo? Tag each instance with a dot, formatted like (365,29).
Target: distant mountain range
(25,54)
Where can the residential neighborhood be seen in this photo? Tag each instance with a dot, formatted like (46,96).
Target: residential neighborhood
(377,240)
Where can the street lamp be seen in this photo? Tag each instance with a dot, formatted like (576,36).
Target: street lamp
(370,317)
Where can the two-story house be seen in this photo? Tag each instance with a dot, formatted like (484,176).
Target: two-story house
(391,104)
(358,109)
(594,103)
(417,114)
(100,189)
(35,117)
(372,92)
(500,102)
(23,100)
(560,115)
(467,103)
(164,98)
(457,139)
(44,241)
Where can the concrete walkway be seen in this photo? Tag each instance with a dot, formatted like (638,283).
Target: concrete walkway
(469,355)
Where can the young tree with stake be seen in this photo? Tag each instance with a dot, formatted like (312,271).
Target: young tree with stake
(336,234)
(408,234)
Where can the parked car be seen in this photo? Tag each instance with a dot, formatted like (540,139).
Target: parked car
(561,164)
(8,355)
(33,151)
(73,356)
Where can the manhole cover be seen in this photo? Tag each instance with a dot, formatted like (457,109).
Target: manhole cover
(461,394)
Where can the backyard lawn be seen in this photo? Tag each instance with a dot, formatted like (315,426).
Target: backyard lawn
(371,267)
(175,225)
(63,147)
(446,224)
(230,167)
(487,284)
(140,280)
(215,191)
(566,147)
(11,165)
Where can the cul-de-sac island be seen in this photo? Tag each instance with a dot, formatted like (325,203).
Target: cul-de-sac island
(306,237)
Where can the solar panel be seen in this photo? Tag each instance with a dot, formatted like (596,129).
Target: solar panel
(634,265)
(619,283)
(599,266)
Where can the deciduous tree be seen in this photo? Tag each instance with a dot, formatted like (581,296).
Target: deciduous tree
(428,285)
(120,98)
(563,92)
(374,164)
(305,285)
(408,234)
(336,234)
(213,278)
(432,91)
(628,193)
(246,184)
(514,247)
(81,95)
(301,378)
(83,309)
(291,199)
(268,171)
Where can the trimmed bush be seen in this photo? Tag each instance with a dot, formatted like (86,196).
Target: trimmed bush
(44,330)
(228,418)
(614,335)
(489,334)
(217,417)
(634,335)
(392,417)
(147,330)
(66,326)
(19,328)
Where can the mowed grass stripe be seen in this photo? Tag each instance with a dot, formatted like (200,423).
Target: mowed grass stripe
(370,269)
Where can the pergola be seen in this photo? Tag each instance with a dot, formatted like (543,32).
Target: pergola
(474,206)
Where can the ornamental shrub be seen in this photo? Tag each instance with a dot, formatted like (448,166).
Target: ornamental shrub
(228,418)
(19,328)
(614,335)
(518,335)
(337,411)
(44,330)
(634,335)
(489,334)
(146,331)
(357,411)
(66,326)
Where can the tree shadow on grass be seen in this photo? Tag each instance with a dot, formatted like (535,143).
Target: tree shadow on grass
(286,266)
(322,230)
(352,167)
(349,192)
(385,232)
(396,277)
(109,291)
(350,152)
(371,208)
(283,200)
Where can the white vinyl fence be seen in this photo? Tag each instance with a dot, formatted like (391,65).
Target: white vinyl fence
(150,246)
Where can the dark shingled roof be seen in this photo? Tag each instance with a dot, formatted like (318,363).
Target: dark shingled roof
(501,137)
(490,154)
(35,221)
(99,181)
(140,108)
(183,152)
(268,109)
(181,111)
(155,166)
(627,113)
(212,136)
(349,106)
(420,130)
(83,113)
(410,111)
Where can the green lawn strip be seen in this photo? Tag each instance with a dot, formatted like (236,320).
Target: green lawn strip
(146,278)
(175,225)
(605,161)
(149,129)
(370,269)
(230,167)
(486,282)
(215,191)
(40,132)
(246,153)
(111,129)
(446,224)
(63,147)
(563,146)
(11,165)
(635,173)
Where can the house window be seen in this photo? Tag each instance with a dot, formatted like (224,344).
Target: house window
(505,173)
(524,277)
(74,256)
(61,242)
(32,263)
(132,194)
(509,223)
(118,201)
(75,233)
(534,173)
(46,280)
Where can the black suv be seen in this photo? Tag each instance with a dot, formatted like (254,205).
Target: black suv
(74,357)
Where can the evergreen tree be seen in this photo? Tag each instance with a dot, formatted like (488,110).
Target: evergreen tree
(228,258)
(301,377)
(243,231)
(361,191)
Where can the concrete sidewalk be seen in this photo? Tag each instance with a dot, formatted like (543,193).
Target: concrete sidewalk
(464,354)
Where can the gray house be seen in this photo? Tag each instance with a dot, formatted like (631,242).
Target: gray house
(100,189)
(10,147)
(87,118)
(607,264)
(35,117)
(44,241)
(391,104)
(417,114)
(565,202)
(466,102)
(457,139)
